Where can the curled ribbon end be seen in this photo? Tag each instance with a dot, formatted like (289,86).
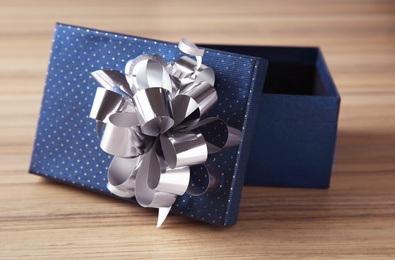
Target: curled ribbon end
(162,214)
(189,47)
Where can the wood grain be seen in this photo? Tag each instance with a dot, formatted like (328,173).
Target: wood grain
(355,218)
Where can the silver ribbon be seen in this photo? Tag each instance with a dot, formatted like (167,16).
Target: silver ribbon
(149,119)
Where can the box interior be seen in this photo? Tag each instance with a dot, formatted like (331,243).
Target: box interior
(292,70)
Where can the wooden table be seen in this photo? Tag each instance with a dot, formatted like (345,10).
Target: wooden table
(355,218)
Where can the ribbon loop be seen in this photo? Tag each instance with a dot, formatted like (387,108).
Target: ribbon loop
(175,181)
(192,102)
(146,196)
(196,189)
(203,94)
(147,71)
(152,122)
(122,176)
(182,149)
(185,69)
(123,136)
(228,137)
(105,103)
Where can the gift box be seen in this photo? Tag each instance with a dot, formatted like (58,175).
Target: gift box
(295,133)
(299,96)
(68,150)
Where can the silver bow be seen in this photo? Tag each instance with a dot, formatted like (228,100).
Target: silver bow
(149,119)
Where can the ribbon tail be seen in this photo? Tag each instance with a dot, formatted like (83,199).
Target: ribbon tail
(162,215)
(149,172)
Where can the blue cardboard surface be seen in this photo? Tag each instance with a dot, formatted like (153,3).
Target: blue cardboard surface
(295,133)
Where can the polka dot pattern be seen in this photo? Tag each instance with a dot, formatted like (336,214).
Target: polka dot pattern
(67,149)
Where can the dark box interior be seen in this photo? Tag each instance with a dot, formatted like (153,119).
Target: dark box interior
(292,70)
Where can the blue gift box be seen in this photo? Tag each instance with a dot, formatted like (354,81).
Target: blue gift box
(295,133)
(67,149)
